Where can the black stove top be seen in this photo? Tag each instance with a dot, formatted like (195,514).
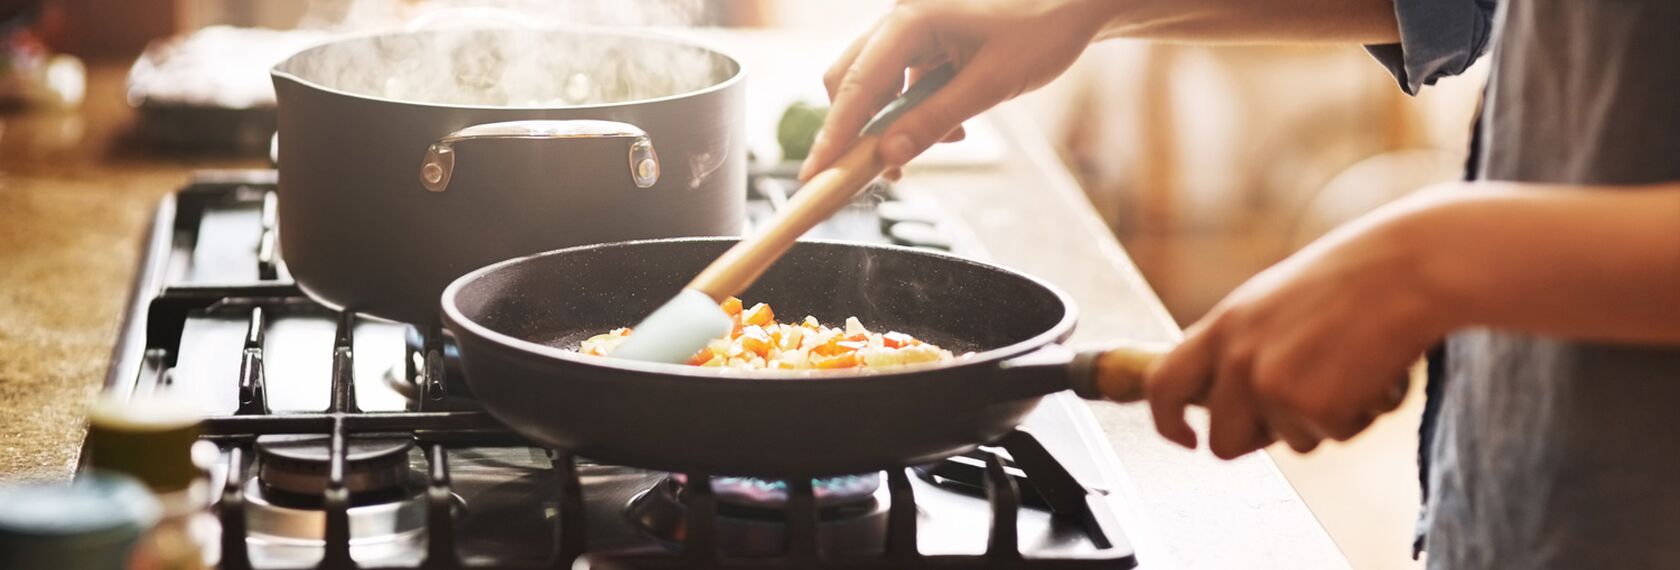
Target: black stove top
(349,442)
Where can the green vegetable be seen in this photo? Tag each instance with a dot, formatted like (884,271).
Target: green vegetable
(798,129)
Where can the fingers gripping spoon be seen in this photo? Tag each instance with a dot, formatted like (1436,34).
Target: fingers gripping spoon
(684,325)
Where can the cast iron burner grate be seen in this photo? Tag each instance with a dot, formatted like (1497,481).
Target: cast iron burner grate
(1018,473)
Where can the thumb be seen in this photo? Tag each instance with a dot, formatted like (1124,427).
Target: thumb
(976,87)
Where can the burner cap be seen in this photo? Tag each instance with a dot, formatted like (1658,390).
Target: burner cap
(771,494)
(752,514)
(300,463)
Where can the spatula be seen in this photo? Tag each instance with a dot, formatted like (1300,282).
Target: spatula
(684,325)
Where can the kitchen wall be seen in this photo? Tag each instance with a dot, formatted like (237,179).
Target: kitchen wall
(1213,162)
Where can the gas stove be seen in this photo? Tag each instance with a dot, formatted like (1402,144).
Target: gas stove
(349,442)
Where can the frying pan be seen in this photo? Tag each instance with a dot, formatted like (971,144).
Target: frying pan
(518,323)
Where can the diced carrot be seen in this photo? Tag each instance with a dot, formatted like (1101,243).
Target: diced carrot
(755,340)
(847,360)
(731,306)
(830,348)
(759,314)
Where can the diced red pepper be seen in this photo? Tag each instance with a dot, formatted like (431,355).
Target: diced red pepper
(859,337)
(852,345)
(896,340)
(701,357)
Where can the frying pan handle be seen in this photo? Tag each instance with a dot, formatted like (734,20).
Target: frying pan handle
(439,165)
(1116,371)
(1110,372)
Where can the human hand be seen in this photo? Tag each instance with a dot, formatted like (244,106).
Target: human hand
(1002,48)
(1314,347)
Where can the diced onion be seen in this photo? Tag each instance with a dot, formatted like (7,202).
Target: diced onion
(758,342)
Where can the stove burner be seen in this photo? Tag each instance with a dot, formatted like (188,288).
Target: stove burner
(299,464)
(771,494)
(482,497)
(292,535)
(752,515)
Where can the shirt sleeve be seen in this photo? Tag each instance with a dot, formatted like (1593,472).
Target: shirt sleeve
(1438,38)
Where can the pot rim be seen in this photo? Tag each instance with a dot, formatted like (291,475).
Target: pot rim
(278,73)
(992,358)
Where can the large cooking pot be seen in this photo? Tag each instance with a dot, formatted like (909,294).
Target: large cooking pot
(409,158)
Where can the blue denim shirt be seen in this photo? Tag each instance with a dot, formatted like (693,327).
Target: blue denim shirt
(1438,38)
(1541,452)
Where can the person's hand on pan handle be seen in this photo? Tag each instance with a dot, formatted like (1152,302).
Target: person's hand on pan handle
(1002,48)
(1312,348)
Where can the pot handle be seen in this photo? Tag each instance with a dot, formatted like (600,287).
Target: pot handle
(439,164)
(1113,371)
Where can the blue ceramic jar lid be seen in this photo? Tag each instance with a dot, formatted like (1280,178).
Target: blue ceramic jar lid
(92,521)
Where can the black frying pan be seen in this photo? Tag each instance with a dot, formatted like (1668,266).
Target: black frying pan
(518,324)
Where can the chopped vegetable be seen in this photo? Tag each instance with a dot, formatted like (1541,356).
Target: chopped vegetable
(896,340)
(798,128)
(603,344)
(758,342)
(731,306)
(760,315)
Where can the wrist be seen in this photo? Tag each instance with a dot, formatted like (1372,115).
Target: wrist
(1436,236)
(1108,14)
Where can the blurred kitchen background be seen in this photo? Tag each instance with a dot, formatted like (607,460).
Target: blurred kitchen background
(1209,163)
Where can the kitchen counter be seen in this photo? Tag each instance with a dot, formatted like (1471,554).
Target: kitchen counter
(1181,508)
(75,199)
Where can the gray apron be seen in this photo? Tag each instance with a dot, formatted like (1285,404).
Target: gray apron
(1551,453)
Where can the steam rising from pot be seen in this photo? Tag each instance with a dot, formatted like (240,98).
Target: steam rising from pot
(510,54)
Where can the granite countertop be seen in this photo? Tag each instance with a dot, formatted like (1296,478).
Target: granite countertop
(75,198)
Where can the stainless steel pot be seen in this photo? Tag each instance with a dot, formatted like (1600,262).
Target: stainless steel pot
(407,159)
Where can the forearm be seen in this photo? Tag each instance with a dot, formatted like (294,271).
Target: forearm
(1593,264)
(1253,21)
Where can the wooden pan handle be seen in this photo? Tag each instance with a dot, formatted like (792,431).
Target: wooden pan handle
(823,195)
(1116,372)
